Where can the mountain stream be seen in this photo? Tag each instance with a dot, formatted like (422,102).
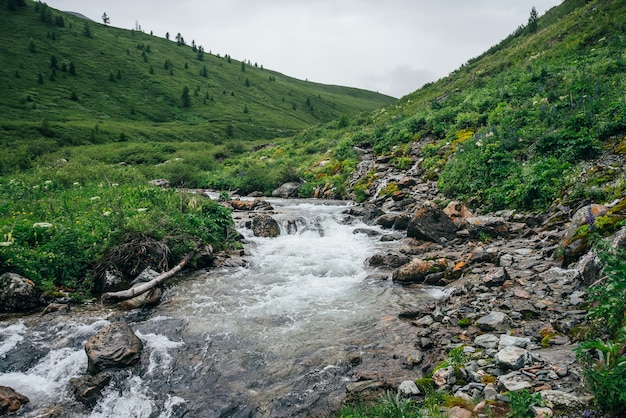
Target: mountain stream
(279,337)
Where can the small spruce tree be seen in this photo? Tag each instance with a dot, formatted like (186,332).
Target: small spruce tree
(186,98)
(533,21)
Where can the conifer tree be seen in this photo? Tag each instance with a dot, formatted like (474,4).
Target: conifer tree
(533,21)
(186,99)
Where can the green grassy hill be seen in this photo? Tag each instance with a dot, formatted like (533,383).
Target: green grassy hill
(515,127)
(68,81)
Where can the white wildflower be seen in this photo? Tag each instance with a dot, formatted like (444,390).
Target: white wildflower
(42,225)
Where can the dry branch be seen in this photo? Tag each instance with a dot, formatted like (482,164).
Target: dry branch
(115,297)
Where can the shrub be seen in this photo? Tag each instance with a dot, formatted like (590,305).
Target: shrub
(521,403)
(54,231)
(602,358)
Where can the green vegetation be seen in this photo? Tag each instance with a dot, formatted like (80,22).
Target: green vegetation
(58,222)
(389,406)
(521,403)
(512,128)
(603,353)
(91,113)
(73,76)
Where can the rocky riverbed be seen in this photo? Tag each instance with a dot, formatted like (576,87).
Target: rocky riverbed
(507,299)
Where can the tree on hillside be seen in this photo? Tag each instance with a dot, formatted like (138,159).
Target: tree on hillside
(532,20)
(105,19)
(87,30)
(185,97)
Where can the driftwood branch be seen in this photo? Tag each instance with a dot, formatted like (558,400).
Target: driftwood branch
(110,298)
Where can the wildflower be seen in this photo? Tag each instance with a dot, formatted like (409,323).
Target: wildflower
(94,198)
(142,210)
(107,213)
(42,225)
(47,182)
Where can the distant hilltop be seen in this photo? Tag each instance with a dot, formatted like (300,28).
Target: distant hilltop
(82,16)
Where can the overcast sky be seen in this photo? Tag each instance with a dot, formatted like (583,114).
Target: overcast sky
(390,46)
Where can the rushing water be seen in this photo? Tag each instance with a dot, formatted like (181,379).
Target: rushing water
(270,339)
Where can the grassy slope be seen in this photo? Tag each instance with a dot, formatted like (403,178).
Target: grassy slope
(144,103)
(513,126)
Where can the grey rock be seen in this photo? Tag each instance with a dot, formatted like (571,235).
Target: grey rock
(430,223)
(287,190)
(114,347)
(494,321)
(265,226)
(493,226)
(18,294)
(583,216)
(509,340)
(442,376)
(408,388)
(490,392)
(160,182)
(417,270)
(507,260)
(589,268)
(542,411)
(487,341)
(619,240)
(560,399)
(88,389)
(514,381)
(495,277)
(363,386)
(514,358)
(425,321)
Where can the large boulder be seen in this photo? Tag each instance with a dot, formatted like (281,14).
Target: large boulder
(114,347)
(10,400)
(430,223)
(265,226)
(18,294)
(287,190)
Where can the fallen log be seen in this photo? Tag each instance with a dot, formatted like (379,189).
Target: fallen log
(110,298)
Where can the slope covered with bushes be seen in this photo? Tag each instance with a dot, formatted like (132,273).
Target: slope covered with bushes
(513,127)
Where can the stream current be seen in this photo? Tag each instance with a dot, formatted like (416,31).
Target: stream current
(271,339)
